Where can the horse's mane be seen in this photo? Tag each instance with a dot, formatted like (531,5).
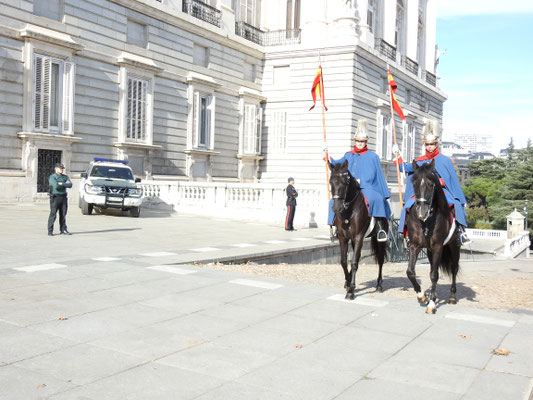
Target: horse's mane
(427,171)
(342,168)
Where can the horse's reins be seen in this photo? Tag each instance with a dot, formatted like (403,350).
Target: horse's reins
(345,203)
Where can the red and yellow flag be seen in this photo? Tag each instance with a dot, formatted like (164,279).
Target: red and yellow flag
(393,87)
(318,89)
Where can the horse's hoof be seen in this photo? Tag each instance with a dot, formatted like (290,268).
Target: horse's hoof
(346,286)
(379,289)
(349,296)
(452,300)
(431,310)
(422,299)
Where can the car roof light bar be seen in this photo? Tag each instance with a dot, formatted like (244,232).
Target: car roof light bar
(98,159)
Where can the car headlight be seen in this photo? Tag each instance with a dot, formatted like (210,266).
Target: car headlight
(135,192)
(92,189)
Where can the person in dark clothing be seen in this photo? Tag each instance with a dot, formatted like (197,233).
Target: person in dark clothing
(59,183)
(291,205)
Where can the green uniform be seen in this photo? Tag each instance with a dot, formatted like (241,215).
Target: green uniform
(56,188)
(58,201)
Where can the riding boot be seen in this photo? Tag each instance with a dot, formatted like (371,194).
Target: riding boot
(461,235)
(382,234)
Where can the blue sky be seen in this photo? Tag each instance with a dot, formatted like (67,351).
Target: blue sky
(487,70)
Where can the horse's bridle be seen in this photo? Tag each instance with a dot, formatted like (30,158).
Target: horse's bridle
(345,203)
(428,202)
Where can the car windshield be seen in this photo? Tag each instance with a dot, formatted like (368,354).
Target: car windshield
(104,171)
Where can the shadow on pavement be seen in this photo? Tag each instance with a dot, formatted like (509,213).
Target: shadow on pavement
(105,230)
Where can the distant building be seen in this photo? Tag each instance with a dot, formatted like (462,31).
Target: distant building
(474,142)
(451,148)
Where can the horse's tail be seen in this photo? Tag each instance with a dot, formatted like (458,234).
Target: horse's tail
(446,264)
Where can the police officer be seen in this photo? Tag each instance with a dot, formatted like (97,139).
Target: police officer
(59,183)
(291,205)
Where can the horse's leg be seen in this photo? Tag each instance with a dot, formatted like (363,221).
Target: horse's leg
(411,273)
(344,260)
(436,254)
(381,250)
(456,251)
(357,246)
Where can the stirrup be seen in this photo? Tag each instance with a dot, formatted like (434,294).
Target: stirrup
(382,236)
(465,239)
(333,234)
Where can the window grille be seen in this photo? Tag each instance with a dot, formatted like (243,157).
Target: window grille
(136,117)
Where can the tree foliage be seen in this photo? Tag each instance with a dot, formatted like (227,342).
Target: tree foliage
(497,186)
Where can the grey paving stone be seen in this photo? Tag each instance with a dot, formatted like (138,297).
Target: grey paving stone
(136,314)
(80,364)
(241,391)
(83,328)
(202,327)
(267,341)
(308,328)
(426,374)
(379,389)
(22,343)
(272,301)
(220,361)
(300,380)
(181,302)
(22,384)
(150,381)
(148,342)
(32,293)
(519,359)
(465,353)
(393,320)
(496,386)
(453,332)
(226,292)
(366,340)
(331,311)
(238,313)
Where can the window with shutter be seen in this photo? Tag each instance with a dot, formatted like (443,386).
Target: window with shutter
(136,110)
(249,128)
(53,95)
(203,117)
(279,130)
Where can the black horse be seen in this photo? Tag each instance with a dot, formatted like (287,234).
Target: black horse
(353,222)
(430,225)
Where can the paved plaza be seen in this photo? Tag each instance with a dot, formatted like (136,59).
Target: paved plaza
(118,310)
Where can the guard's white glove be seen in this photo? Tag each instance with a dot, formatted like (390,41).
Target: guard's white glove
(395,149)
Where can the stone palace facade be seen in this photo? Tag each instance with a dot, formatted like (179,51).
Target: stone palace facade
(213,92)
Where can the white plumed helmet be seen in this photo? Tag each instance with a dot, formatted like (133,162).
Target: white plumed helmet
(431,131)
(362,132)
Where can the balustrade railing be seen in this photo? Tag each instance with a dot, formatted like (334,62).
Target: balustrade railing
(249,32)
(386,49)
(410,65)
(203,11)
(431,79)
(282,37)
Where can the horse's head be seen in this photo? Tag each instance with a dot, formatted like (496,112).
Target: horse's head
(425,182)
(341,182)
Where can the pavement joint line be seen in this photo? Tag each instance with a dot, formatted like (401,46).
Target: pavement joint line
(481,319)
(275,241)
(173,270)
(41,267)
(242,245)
(205,249)
(159,254)
(360,300)
(106,259)
(300,239)
(254,283)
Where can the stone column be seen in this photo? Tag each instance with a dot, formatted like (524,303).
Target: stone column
(345,19)
(227,21)
(431,35)
(389,21)
(314,23)
(412,29)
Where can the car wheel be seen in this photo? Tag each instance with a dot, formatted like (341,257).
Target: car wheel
(135,212)
(86,208)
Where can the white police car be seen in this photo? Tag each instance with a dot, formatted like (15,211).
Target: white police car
(109,184)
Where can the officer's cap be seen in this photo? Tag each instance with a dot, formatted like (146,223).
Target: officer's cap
(290,179)
(59,165)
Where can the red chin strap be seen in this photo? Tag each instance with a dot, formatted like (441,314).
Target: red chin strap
(360,151)
(431,156)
